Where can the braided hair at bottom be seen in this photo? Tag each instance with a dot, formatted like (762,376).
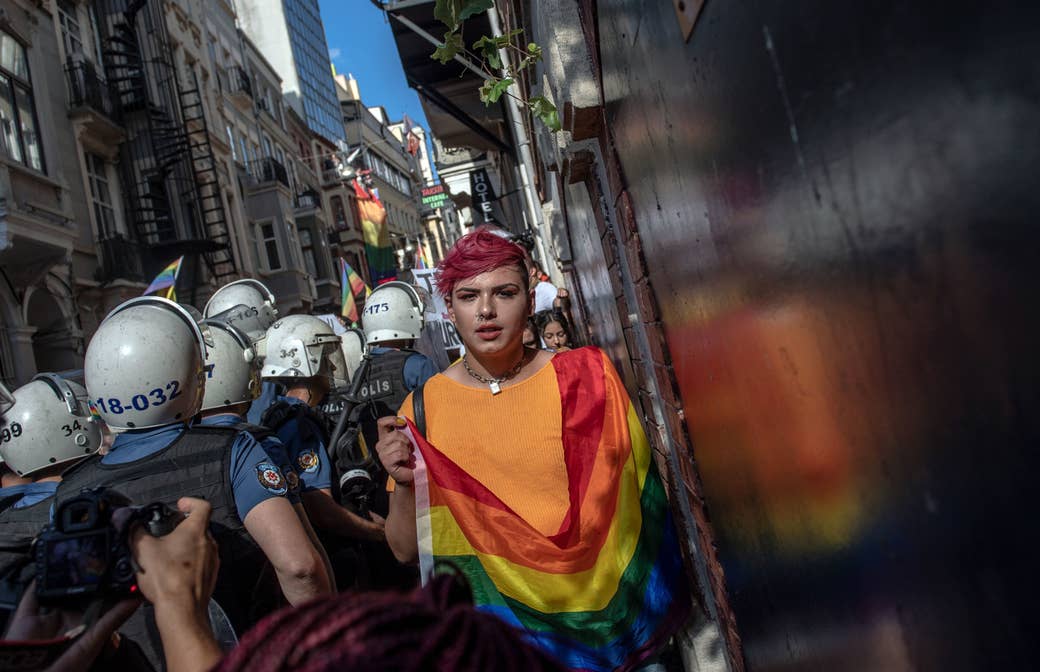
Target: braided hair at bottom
(434,628)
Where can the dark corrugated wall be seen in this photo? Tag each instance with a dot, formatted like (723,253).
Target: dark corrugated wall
(838,203)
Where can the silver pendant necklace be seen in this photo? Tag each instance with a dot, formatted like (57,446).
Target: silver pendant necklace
(495,384)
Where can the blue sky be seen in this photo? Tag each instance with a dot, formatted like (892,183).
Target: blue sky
(361,43)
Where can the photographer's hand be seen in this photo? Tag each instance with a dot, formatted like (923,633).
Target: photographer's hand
(178,573)
(33,623)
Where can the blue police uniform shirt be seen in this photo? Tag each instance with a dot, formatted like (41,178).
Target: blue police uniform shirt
(306,453)
(255,477)
(13,491)
(272,446)
(35,493)
(268,395)
(418,368)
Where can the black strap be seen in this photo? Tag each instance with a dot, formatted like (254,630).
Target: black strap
(419,409)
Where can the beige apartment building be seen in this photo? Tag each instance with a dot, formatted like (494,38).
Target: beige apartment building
(134,134)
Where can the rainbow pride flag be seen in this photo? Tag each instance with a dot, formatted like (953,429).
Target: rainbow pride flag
(422,260)
(376,232)
(357,285)
(608,589)
(351,286)
(167,279)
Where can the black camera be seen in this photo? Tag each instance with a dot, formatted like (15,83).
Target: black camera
(82,553)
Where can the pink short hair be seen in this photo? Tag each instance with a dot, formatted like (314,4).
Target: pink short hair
(479,252)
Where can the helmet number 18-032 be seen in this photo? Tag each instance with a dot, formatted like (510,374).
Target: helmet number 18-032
(140,402)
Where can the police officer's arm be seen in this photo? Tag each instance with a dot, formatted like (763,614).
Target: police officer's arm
(327,515)
(395,452)
(260,491)
(301,513)
(276,528)
(315,471)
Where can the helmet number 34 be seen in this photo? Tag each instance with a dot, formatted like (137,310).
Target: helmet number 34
(140,402)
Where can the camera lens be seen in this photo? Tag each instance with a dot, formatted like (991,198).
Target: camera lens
(123,570)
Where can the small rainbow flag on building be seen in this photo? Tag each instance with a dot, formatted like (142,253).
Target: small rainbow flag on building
(351,286)
(607,590)
(422,260)
(167,279)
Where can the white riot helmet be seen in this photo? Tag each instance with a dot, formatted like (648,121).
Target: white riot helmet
(249,292)
(298,346)
(393,312)
(232,376)
(352,345)
(245,319)
(49,424)
(144,366)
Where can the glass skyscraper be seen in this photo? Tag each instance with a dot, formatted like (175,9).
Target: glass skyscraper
(297,49)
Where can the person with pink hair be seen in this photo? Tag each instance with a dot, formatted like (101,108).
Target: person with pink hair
(530,470)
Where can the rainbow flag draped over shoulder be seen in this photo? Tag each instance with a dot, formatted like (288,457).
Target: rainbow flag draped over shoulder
(167,279)
(376,231)
(608,589)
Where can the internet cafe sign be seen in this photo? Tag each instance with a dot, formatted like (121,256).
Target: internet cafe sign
(434,197)
(482,192)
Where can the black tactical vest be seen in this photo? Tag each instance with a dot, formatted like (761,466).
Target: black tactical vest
(18,528)
(197,464)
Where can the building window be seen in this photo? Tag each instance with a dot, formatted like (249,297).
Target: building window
(231,142)
(339,214)
(18,124)
(310,258)
(101,195)
(71,36)
(95,31)
(269,246)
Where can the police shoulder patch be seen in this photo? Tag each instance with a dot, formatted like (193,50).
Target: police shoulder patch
(307,461)
(271,478)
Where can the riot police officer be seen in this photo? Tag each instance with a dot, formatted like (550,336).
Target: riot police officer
(145,374)
(392,320)
(300,354)
(232,382)
(48,428)
(250,306)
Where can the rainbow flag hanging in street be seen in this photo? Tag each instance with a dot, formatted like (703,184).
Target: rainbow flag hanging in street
(608,589)
(351,286)
(378,249)
(167,279)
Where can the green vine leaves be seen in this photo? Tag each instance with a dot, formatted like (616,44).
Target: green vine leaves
(487,52)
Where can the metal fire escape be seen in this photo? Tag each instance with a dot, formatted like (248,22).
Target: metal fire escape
(169,169)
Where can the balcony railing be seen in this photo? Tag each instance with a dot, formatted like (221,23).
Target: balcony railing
(267,170)
(88,89)
(120,259)
(308,200)
(238,81)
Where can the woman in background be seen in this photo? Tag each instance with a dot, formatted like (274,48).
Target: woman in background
(555,331)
